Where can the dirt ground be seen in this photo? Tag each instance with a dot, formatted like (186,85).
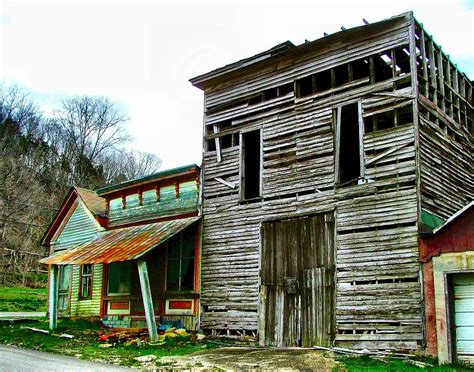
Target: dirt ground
(238,358)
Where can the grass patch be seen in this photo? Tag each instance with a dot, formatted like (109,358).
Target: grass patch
(84,345)
(366,363)
(23,299)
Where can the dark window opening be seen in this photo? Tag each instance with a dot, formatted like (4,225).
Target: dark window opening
(119,278)
(305,86)
(86,282)
(270,94)
(402,59)
(256,99)
(382,67)
(360,69)
(285,89)
(369,124)
(342,74)
(323,81)
(211,144)
(251,161)
(235,139)
(180,268)
(226,141)
(385,120)
(405,115)
(349,156)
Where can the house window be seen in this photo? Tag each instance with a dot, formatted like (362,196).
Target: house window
(119,277)
(180,269)
(251,160)
(86,282)
(349,156)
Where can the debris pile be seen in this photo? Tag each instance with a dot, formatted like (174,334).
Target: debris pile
(138,337)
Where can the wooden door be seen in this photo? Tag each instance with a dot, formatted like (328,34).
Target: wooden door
(297,292)
(64,283)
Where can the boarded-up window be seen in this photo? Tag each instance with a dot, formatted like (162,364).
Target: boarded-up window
(119,276)
(250,177)
(86,282)
(348,151)
(180,269)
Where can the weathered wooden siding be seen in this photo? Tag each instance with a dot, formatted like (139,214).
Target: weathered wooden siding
(154,206)
(80,228)
(91,307)
(446,130)
(378,290)
(297,293)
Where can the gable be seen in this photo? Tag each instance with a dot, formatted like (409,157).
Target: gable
(77,228)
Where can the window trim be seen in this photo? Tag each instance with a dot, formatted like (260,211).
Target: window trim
(360,123)
(242,165)
(108,282)
(180,259)
(81,282)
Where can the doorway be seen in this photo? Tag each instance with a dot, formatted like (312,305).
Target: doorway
(297,292)
(64,283)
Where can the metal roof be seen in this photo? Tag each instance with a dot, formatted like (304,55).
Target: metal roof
(123,244)
(151,177)
(93,202)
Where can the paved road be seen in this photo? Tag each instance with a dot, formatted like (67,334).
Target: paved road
(14,359)
(12,315)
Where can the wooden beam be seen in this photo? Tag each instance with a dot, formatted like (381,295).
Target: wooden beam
(218,143)
(53,297)
(147,300)
(232,185)
(423,62)
(361,140)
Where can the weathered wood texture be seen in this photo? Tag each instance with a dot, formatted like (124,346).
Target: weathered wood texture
(78,228)
(297,301)
(88,307)
(446,130)
(377,274)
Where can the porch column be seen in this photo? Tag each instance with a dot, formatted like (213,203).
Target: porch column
(147,300)
(53,296)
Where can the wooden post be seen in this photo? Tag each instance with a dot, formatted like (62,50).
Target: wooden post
(147,300)
(53,296)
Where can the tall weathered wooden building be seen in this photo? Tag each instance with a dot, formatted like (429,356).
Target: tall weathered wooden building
(322,163)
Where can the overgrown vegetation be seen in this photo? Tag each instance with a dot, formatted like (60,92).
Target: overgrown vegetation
(81,144)
(366,363)
(23,299)
(84,345)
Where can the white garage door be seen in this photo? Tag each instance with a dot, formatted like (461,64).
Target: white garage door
(464,316)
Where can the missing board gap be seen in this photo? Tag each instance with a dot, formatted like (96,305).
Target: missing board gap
(376,228)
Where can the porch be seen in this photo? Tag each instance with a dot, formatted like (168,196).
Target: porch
(149,274)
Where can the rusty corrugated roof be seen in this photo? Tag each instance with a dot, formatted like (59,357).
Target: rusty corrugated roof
(123,244)
(93,202)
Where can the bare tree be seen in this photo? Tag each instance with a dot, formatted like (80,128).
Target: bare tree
(90,126)
(16,106)
(119,166)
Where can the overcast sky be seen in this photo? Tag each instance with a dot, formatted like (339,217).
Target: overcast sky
(142,54)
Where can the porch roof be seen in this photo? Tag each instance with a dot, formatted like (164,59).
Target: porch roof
(128,243)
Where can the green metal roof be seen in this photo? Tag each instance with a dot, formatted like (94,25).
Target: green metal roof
(154,176)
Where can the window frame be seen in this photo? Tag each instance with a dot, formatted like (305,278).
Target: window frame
(109,276)
(89,278)
(361,129)
(180,259)
(242,197)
